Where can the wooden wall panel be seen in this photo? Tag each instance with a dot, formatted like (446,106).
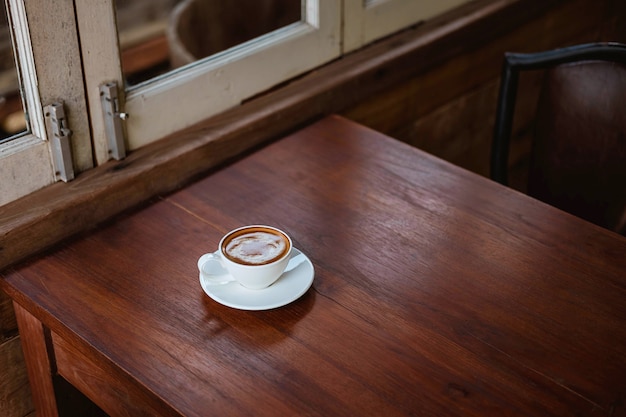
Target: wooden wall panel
(449,111)
(15,397)
(8,324)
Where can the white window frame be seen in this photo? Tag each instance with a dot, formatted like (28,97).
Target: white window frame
(48,57)
(25,163)
(45,77)
(56,65)
(189,94)
(368,20)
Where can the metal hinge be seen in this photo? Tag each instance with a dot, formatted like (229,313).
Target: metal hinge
(60,145)
(113,118)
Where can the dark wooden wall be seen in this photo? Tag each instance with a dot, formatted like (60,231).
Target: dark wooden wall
(15,397)
(447,110)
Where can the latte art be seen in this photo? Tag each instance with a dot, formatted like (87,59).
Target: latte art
(256,247)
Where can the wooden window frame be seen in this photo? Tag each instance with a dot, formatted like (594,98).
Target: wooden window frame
(185,96)
(368,20)
(57,212)
(46,78)
(163,107)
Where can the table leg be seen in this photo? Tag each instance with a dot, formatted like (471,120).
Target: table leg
(38,365)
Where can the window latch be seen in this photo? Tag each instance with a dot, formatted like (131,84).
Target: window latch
(113,118)
(59,137)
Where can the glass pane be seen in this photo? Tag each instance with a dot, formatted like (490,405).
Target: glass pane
(157,36)
(12,119)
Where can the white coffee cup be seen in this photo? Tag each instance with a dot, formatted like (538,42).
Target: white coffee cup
(255,256)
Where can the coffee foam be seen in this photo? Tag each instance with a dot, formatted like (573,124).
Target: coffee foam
(256,247)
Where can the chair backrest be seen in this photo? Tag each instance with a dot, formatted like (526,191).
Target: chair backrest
(578,157)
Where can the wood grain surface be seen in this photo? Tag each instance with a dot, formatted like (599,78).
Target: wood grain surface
(436,292)
(35,346)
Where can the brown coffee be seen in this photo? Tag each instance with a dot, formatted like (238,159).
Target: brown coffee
(255,246)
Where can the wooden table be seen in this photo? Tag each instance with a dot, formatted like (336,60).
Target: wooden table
(437,292)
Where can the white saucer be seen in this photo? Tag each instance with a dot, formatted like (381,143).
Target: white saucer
(294,282)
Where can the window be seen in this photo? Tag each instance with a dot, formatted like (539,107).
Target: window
(25,160)
(184,96)
(69,51)
(12,120)
(368,20)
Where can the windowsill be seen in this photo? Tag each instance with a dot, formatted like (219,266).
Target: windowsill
(48,216)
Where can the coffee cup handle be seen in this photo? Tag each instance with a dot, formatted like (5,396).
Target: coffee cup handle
(212,269)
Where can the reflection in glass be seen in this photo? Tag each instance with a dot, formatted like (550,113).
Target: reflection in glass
(200,28)
(141,26)
(159,35)
(12,119)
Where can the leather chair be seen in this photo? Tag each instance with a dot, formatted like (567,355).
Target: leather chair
(578,154)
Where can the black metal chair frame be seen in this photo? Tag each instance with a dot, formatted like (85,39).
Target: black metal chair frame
(516,62)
